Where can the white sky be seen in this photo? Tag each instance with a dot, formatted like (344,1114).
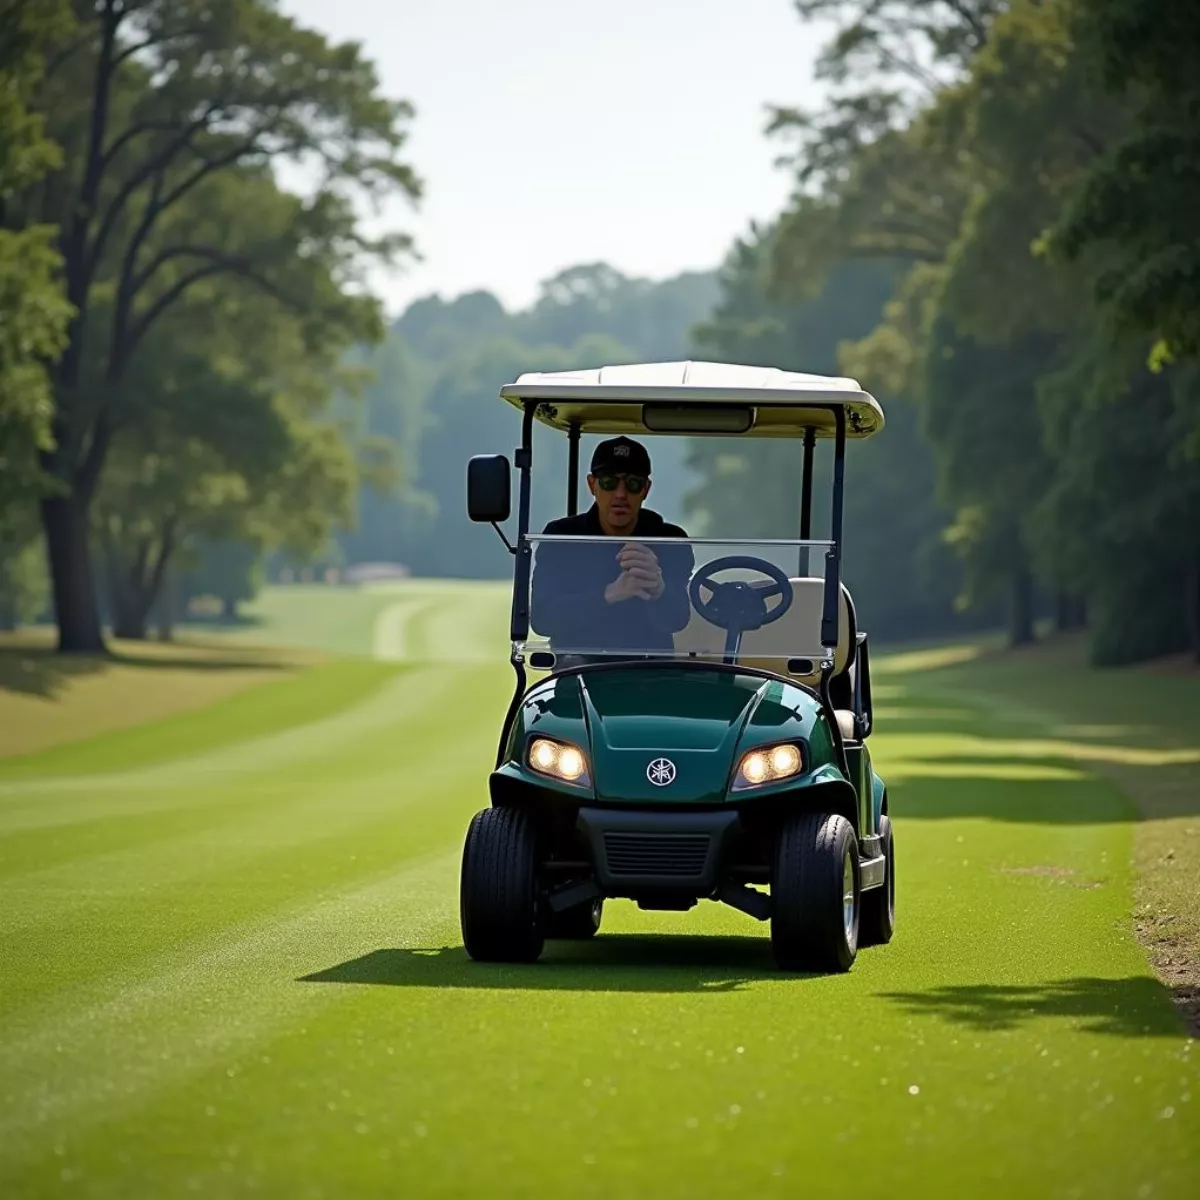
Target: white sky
(553,132)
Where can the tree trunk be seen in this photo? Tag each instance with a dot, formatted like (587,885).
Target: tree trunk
(1193,608)
(1020,632)
(129,618)
(1062,612)
(1070,612)
(166,608)
(229,608)
(65,519)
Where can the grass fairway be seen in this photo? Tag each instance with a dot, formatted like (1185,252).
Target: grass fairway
(46,700)
(232,967)
(407,620)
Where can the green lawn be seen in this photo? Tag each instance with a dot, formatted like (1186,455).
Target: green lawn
(400,620)
(233,967)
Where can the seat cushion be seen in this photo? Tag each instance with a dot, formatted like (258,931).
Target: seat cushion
(797,634)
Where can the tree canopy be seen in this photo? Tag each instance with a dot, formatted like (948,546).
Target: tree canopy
(171,117)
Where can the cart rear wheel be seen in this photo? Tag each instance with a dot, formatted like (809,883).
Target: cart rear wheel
(578,923)
(498,900)
(815,894)
(878,921)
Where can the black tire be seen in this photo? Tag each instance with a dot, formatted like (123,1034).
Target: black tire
(878,920)
(808,926)
(498,899)
(576,924)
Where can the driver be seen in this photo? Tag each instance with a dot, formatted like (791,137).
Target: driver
(632,599)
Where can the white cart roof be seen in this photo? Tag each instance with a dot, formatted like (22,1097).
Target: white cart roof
(691,398)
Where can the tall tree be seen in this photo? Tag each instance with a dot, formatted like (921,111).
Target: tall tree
(33,310)
(154,101)
(228,425)
(1138,204)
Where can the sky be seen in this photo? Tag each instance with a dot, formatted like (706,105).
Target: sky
(554,132)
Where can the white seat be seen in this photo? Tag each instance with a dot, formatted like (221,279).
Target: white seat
(845,720)
(797,634)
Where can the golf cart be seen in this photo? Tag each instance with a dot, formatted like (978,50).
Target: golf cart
(726,754)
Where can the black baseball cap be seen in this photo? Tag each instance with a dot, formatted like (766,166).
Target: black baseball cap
(620,454)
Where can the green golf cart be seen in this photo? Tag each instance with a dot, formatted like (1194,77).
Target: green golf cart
(709,744)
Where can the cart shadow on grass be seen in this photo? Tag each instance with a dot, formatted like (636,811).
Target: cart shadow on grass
(1136,1006)
(613,963)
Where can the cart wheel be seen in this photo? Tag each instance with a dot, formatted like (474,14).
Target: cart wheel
(498,901)
(578,923)
(815,894)
(878,921)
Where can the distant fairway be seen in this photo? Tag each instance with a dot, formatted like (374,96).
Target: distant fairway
(232,963)
(406,620)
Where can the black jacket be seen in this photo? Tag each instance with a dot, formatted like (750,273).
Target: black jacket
(567,601)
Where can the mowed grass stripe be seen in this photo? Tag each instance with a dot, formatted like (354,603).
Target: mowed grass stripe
(118,1051)
(265,708)
(298,750)
(280,838)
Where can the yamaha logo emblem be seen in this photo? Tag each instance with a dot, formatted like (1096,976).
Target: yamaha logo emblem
(661,772)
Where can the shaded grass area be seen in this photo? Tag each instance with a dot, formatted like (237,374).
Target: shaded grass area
(1139,727)
(47,698)
(654,963)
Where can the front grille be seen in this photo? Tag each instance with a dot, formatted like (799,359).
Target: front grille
(678,855)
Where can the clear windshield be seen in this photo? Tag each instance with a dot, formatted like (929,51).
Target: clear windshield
(607,597)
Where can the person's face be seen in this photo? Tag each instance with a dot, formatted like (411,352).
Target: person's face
(619,498)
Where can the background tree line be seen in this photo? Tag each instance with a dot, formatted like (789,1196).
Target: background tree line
(992,228)
(1029,171)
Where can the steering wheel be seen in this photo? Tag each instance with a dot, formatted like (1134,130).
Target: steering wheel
(739,606)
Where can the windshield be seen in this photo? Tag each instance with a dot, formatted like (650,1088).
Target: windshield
(606,597)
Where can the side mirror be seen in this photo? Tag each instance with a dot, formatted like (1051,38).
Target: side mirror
(488,488)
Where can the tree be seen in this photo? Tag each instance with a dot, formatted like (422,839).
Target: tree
(435,392)
(1137,205)
(154,102)
(884,65)
(1121,516)
(24,586)
(895,565)
(232,571)
(33,310)
(229,435)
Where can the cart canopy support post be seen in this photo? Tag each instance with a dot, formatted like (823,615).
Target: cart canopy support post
(833,556)
(573,469)
(519,626)
(519,623)
(806,491)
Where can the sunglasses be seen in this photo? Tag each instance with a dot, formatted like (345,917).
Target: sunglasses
(635,485)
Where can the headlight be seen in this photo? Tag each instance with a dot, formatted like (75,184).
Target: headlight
(560,760)
(768,765)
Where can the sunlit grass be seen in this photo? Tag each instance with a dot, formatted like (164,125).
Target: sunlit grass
(233,967)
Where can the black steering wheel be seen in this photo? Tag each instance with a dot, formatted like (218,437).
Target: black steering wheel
(739,606)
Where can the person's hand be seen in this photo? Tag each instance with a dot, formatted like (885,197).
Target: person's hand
(627,586)
(641,564)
